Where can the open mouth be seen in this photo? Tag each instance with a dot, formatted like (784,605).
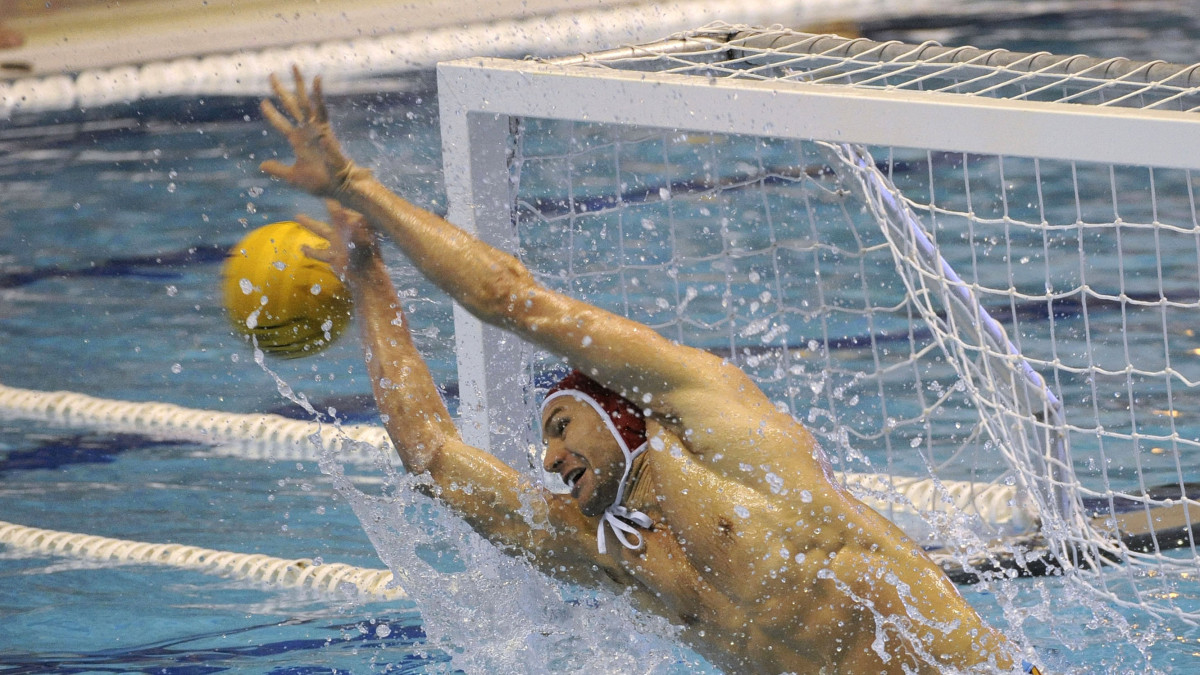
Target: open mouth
(572,477)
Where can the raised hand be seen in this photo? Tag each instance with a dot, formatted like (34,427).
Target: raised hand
(320,168)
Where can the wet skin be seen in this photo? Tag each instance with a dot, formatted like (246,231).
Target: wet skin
(767,563)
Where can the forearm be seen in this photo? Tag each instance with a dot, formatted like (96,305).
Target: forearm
(477,275)
(496,501)
(482,489)
(411,407)
(497,289)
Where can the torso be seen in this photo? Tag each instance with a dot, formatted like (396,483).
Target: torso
(760,570)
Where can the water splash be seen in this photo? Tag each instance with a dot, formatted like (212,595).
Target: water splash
(495,613)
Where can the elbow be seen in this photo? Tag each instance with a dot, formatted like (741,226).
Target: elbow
(418,458)
(420,447)
(506,293)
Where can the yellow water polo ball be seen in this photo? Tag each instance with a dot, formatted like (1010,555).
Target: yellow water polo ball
(291,304)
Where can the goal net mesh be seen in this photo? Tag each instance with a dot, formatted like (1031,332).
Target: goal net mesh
(998,352)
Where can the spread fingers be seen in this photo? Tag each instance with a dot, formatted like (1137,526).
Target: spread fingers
(301,94)
(276,118)
(317,227)
(287,100)
(324,255)
(273,167)
(320,114)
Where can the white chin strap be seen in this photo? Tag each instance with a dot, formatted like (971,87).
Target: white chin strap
(619,518)
(616,516)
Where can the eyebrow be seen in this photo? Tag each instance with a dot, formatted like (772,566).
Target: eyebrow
(553,414)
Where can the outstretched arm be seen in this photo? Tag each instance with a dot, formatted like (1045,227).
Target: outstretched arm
(484,490)
(629,357)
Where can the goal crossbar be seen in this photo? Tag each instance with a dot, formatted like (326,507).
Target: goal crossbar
(801,110)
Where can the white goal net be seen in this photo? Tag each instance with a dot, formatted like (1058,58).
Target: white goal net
(975,275)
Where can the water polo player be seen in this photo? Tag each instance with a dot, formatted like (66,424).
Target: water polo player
(687,485)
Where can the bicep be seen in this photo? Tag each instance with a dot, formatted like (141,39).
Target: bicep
(625,355)
(622,354)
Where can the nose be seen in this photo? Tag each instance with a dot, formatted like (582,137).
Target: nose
(553,457)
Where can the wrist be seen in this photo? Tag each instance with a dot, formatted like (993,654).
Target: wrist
(346,179)
(363,261)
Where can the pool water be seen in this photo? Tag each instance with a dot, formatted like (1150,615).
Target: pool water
(112,226)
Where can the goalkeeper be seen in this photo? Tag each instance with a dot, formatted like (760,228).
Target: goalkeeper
(686,484)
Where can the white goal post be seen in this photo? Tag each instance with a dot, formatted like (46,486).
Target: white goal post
(1074,172)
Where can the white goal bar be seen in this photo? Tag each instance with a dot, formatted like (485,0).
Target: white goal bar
(789,109)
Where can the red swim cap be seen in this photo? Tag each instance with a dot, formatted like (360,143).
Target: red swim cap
(626,417)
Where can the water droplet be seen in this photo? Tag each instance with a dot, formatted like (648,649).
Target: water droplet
(246,286)
(799,557)
(172,291)
(775,483)
(742,511)
(170,187)
(316,289)
(176,368)
(806,496)
(383,630)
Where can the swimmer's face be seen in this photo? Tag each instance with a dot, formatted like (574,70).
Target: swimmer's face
(581,450)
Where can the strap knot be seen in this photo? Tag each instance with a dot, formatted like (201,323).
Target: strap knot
(623,522)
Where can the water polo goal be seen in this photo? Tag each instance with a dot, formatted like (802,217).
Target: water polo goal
(954,265)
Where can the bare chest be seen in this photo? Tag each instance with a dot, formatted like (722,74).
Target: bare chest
(745,622)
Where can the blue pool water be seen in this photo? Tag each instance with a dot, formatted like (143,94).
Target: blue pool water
(112,225)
